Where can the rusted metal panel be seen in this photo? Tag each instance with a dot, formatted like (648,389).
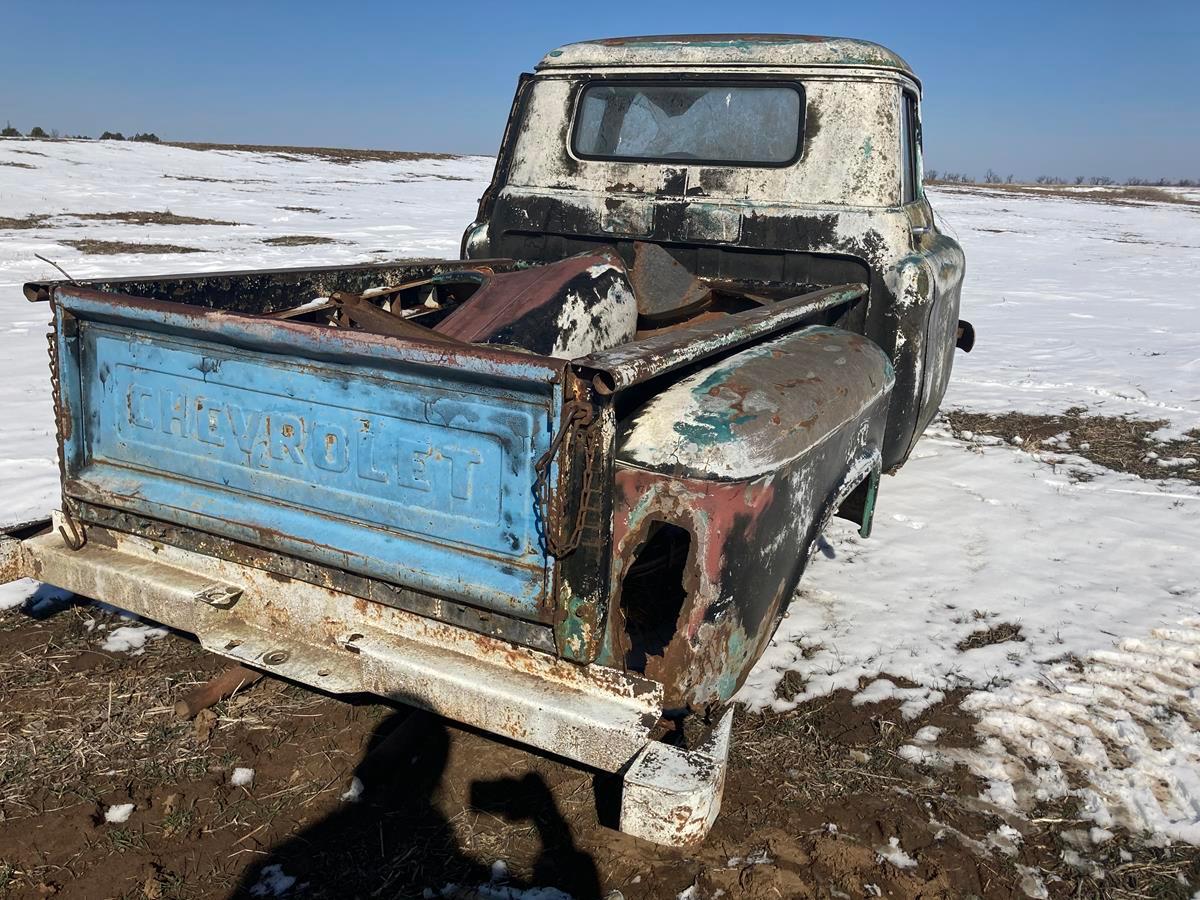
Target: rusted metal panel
(757,410)
(564,309)
(398,460)
(759,50)
(528,634)
(665,352)
(748,459)
(665,289)
(266,290)
(591,714)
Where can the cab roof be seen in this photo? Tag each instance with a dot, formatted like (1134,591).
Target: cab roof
(725,50)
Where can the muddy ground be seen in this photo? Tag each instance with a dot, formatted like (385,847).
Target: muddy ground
(812,796)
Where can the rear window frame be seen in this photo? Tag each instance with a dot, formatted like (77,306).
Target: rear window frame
(699,82)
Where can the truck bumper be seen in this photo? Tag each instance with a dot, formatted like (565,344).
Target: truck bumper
(341,644)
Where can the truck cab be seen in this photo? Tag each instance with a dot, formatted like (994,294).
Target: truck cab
(765,162)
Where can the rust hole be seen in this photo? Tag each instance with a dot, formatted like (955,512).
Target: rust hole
(653,593)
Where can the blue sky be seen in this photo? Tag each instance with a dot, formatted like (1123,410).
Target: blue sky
(1021,87)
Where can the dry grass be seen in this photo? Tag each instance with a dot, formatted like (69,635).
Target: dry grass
(997,634)
(70,711)
(298,240)
(329,154)
(303,209)
(109,248)
(1114,196)
(31,221)
(148,217)
(16,165)
(1115,442)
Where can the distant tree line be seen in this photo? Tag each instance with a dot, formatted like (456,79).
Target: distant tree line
(938,177)
(37,131)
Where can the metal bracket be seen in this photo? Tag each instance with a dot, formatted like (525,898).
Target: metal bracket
(222,596)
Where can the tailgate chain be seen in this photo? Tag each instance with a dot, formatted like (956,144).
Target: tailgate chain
(575,432)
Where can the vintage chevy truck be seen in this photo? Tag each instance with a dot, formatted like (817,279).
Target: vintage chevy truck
(563,488)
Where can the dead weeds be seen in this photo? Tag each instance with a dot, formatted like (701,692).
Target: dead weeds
(997,634)
(811,796)
(1113,196)
(30,221)
(148,217)
(1115,442)
(299,240)
(110,248)
(329,154)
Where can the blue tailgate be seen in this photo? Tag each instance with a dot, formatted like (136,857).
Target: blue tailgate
(390,459)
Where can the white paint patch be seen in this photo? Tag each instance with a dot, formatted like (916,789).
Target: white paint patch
(585,327)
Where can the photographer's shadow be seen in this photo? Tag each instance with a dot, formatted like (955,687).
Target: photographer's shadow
(394,841)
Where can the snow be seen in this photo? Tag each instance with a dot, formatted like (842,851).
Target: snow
(893,854)
(1075,304)
(131,639)
(32,595)
(241,777)
(493,891)
(272,882)
(118,814)
(376,211)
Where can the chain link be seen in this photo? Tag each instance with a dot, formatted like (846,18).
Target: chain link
(575,434)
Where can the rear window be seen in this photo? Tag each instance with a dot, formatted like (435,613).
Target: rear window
(741,124)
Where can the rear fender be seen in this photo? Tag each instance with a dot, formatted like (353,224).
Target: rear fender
(723,482)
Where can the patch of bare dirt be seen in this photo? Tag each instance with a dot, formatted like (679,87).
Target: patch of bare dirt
(812,796)
(1115,442)
(16,165)
(329,154)
(148,217)
(31,221)
(1114,196)
(205,179)
(303,209)
(299,240)
(108,248)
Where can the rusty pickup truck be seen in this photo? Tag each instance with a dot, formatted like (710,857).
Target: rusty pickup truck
(563,488)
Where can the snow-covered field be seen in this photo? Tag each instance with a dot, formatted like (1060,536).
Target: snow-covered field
(1075,304)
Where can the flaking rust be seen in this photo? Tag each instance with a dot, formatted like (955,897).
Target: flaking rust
(563,489)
